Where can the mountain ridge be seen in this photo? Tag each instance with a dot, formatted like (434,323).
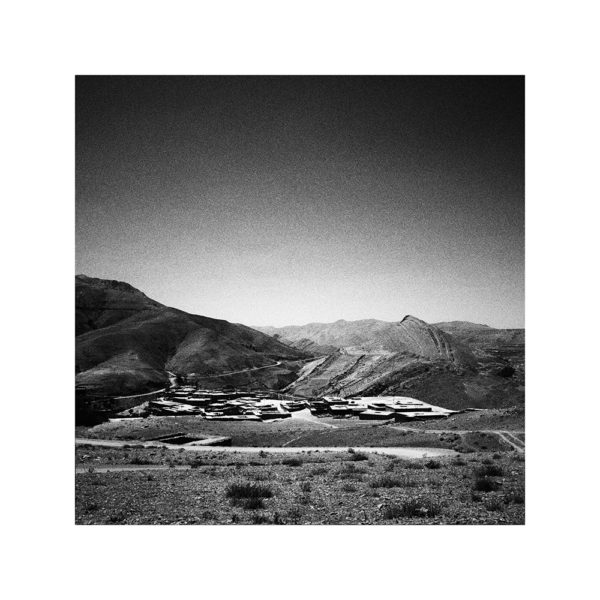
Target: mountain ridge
(127,342)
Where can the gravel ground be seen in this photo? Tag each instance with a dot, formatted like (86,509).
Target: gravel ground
(314,488)
(507,419)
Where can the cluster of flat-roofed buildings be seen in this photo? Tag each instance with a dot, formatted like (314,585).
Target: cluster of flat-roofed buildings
(399,408)
(224,405)
(235,405)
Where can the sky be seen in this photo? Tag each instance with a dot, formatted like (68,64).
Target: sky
(289,200)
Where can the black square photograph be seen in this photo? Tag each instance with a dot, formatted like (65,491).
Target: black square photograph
(299,300)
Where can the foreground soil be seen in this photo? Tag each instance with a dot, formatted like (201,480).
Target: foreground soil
(461,432)
(176,487)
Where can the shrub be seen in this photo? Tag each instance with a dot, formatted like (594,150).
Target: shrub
(319,471)
(459,462)
(414,464)
(305,487)
(433,464)
(250,503)
(136,459)
(490,471)
(386,481)
(348,487)
(117,517)
(351,471)
(292,462)
(357,456)
(483,484)
(239,491)
(413,508)
(515,497)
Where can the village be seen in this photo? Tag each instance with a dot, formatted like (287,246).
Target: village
(266,405)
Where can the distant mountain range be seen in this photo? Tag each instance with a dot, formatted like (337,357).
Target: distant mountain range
(455,364)
(411,335)
(129,343)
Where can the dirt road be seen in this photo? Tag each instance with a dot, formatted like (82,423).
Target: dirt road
(408,453)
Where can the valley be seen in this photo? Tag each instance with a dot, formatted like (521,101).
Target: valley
(183,400)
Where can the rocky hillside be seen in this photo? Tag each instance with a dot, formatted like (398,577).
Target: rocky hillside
(410,336)
(409,357)
(482,337)
(128,342)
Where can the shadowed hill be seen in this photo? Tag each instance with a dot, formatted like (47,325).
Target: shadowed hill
(102,302)
(130,341)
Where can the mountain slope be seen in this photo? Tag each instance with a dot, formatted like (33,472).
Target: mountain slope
(102,302)
(130,341)
(409,357)
(411,336)
(482,337)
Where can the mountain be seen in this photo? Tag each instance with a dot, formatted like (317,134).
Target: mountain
(127,342)
(482,337)
(408,357)
(411,336)
(101,302)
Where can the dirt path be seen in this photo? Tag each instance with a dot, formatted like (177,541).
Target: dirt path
(511,439)
(505,436)
(306,415)
(401,452)
(242,371)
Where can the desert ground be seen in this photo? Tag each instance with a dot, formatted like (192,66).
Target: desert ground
(466,469)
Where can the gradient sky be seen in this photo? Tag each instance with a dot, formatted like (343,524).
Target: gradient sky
(288,200)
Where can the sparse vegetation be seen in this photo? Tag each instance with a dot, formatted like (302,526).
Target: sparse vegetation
(386,481)
(248,491)
(411,508)
(490,471)
(494,504)
(318,471)
(249,503)
(328,488)
(484,484)
(358,456)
